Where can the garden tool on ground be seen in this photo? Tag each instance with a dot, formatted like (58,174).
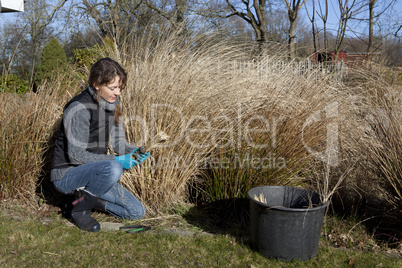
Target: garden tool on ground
(135,228)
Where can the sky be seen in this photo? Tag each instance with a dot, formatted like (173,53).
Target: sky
(389,20)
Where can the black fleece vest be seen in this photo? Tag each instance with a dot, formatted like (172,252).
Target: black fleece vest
(99,131)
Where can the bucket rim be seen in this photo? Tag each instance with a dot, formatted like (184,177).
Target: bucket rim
(281,208)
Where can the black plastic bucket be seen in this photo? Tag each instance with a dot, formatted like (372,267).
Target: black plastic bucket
(287,224)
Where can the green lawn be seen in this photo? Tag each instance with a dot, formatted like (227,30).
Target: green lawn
(28,242)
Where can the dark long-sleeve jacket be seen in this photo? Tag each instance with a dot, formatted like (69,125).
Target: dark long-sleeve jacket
(87,130)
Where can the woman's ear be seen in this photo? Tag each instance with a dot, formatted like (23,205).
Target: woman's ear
(95,86)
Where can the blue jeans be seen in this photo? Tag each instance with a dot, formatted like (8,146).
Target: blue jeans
(100,179)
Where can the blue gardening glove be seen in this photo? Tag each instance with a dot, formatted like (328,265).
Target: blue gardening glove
(140,157)
(126,161)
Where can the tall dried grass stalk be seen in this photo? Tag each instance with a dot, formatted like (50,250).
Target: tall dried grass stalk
(369,90)
(27,122)
(384,143)
(160,139)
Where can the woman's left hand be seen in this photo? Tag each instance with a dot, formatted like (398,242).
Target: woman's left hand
(139,156)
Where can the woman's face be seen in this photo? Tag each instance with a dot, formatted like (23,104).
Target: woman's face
(111,91)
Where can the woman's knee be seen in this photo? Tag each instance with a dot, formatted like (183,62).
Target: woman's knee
(136,213)
(115,170)
(134,208)
(141,212)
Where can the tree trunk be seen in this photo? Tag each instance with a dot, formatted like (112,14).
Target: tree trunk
(293,10)
(325,27)
(292,37)
(180,8)
(371,24)
(312,20)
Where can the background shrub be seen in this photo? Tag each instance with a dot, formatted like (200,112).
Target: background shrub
(53,62)
(11,83)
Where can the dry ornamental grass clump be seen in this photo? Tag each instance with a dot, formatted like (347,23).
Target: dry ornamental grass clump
(384,144)
(27,123)
(217,114)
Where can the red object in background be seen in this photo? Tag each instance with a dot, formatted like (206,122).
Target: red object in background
(329,56)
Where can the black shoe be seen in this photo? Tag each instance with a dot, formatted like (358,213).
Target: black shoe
(100,205)
(81,212)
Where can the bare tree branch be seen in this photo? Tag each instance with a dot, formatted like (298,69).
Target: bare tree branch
(293,11)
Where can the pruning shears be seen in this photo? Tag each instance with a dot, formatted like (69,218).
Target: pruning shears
(137,154)
(135,228)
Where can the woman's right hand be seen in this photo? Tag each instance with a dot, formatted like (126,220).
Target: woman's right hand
(126,161)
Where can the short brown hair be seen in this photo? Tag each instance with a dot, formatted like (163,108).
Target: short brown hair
(103,72)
